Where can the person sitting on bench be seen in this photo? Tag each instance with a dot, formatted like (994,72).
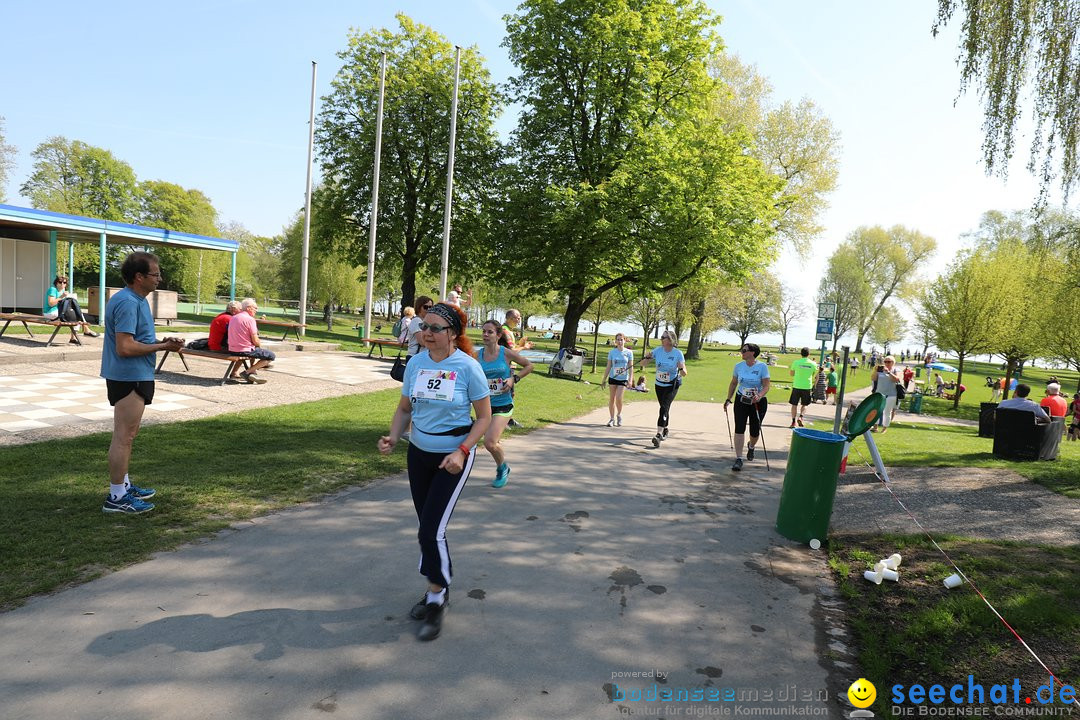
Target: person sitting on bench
(244,340)
(219,333)
(1020,401)
(60,304)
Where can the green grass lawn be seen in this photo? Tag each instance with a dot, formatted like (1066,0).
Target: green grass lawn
(907,445)
(918,631)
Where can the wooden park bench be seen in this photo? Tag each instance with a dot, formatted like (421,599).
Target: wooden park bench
(27,320)
(385,342)
(289,325)
(235,361)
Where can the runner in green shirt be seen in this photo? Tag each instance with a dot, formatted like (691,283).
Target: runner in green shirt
(831,389)
(802,370)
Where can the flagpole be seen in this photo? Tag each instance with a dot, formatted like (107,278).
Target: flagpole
(307,207)
(375,201)
(450,177)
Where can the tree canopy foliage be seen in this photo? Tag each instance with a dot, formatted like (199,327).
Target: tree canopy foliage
(415,147)
(1008,47)
(795,141)
(622,178)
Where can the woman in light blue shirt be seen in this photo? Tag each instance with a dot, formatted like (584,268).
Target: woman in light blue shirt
(441,385)
(750,379)
(620,361)
(670,370)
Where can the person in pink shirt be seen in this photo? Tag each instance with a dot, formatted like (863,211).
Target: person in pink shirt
(244,340)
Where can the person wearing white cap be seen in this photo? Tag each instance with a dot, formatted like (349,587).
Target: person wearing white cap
(1054,404)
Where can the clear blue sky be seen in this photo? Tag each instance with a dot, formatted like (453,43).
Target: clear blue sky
(214,96)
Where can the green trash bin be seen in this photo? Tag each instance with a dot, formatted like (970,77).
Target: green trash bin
(916,403)
(360,331)
(806,500)
(918,371)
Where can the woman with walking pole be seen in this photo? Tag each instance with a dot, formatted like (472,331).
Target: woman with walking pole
(749,385)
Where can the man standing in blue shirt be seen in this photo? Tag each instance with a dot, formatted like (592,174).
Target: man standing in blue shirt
(127,364)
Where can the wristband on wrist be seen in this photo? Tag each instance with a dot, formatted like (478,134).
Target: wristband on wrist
(464,449)
(517,378)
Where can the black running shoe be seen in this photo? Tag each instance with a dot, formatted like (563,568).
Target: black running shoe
(432,622)
(749,453)
(657,438)
(738,465)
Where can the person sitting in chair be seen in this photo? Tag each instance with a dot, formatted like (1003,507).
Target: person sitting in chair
(61,304)
(1020,401)
(1053,403)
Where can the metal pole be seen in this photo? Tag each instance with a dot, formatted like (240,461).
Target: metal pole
(374,200)
(450,177)
(232,282)
(840,392)
(101,279)
(307,206)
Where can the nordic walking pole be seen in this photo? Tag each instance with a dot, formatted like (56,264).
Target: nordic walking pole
(761,435)
(729,436)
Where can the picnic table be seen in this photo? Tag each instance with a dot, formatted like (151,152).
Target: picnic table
(289,325)
(27,319)
(385,342)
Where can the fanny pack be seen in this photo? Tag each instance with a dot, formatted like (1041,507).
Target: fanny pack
(461,430)
(746,397)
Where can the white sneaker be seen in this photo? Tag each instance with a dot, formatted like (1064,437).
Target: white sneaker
(611,422)
(618,421)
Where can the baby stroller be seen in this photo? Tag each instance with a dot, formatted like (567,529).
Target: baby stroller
(817,394)
(568,363)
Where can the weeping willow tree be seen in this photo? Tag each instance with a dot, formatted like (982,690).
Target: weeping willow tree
(1011,48)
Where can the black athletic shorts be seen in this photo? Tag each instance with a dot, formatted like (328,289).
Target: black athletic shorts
(120,389)
(799,396)
(615,381)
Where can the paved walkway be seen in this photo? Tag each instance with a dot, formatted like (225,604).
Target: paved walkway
(602,557)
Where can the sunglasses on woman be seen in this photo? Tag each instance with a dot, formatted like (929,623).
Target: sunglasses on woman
(424,327)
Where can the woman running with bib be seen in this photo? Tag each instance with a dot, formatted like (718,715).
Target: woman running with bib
(617,376)
(751,379)
(670,370)
(495,358)
(442,384)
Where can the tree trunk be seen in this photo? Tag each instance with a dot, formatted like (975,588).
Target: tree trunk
(858,341)
(1008,378)
(959,377)
(693,348)
(783,336)
(742,338)
(574,310)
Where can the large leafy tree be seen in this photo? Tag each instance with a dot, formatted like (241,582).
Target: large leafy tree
(962,307)
(7,161)
(889,261)
(80,179)
(795,141)
(70,176)
(331,278)
(416,140)
(789,310)
(622,176)
(197,273)
(844,285)
(751,309)
(1007,48)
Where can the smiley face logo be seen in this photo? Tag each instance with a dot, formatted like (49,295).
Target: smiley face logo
(862,693)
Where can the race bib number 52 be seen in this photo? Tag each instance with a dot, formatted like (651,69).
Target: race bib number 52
(435,385)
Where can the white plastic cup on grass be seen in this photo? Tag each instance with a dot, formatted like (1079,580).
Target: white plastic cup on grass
(881,566)
(815,544)
(893,561)
(890,575)
(872,576)
(953,580)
